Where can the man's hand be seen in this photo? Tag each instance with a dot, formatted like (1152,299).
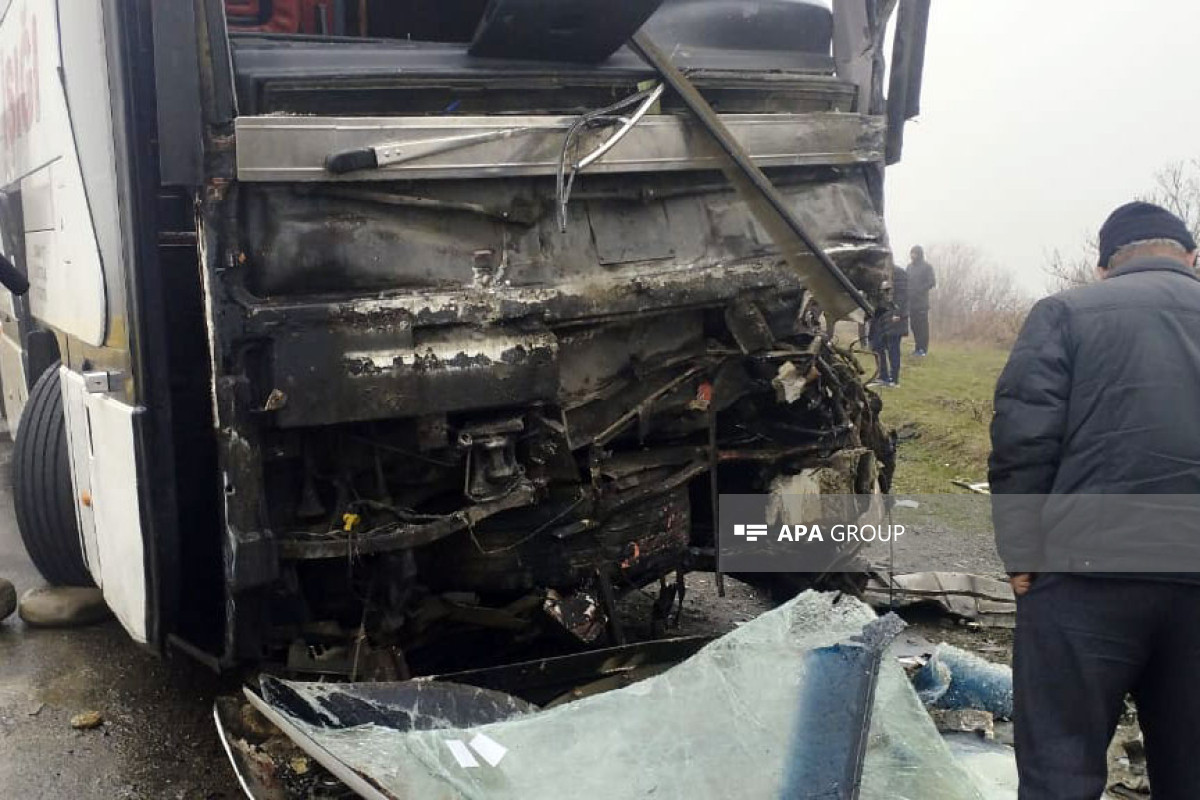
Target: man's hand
(1020,582)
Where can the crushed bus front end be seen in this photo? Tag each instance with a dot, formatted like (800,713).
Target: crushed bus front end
(485,351)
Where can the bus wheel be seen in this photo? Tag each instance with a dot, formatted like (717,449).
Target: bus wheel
(42,490)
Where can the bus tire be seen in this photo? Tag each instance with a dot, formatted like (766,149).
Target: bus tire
(43,495)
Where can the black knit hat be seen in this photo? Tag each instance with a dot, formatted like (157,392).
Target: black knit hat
(1140,222)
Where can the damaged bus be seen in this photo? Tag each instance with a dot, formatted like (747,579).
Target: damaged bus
(359,334)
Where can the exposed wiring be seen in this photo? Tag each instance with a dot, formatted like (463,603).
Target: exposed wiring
(535,532)
(604,116)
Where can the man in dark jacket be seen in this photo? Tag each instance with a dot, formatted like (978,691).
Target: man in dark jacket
(1097,431)
(888,327)
(921,281)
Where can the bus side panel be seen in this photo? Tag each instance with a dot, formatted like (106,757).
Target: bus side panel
(105,438)
(86,84)
(67,282)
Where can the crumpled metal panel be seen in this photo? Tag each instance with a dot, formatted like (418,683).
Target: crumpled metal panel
(728,722)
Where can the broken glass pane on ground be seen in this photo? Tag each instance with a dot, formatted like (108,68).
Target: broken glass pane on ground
(768,711)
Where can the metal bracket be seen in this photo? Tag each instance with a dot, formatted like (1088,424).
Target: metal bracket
(101,382)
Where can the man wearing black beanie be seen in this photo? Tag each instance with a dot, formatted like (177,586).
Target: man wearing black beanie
(1097,420)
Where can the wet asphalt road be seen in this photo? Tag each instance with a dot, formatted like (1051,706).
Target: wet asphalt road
(157,740)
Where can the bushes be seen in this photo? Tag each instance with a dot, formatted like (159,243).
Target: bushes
(974,301)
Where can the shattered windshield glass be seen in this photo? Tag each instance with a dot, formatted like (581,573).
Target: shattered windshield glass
(754,714)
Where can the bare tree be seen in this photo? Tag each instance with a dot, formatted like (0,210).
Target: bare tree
(974,300)
(1067,272)
(1176,188)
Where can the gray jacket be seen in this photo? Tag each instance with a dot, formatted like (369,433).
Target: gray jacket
(921,281)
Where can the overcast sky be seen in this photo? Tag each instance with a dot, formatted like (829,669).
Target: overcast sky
(1041,116)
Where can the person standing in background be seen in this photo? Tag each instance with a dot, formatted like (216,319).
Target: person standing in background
(921,281)
(888,327)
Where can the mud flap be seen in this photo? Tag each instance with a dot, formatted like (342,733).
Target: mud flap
(101,432)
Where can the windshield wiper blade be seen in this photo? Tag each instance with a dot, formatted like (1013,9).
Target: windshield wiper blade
(382,155)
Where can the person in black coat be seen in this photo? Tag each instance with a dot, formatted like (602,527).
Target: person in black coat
(888,326)
(1095,461)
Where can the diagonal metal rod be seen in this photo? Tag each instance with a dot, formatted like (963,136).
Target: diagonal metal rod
(838,296)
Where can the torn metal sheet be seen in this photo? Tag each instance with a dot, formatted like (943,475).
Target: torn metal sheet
(907,72)
(729,721)
(961,594)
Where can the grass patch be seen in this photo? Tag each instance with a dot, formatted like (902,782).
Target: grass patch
(942,411)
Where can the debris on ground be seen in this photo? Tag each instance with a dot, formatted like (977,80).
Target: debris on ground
(989,601)
(956,679)
(964,720)
(912,650)
(962,689)
(87,721)
(776,672)
(269,765)
(8,599)
(63,607)
(256,724)
(969,700)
